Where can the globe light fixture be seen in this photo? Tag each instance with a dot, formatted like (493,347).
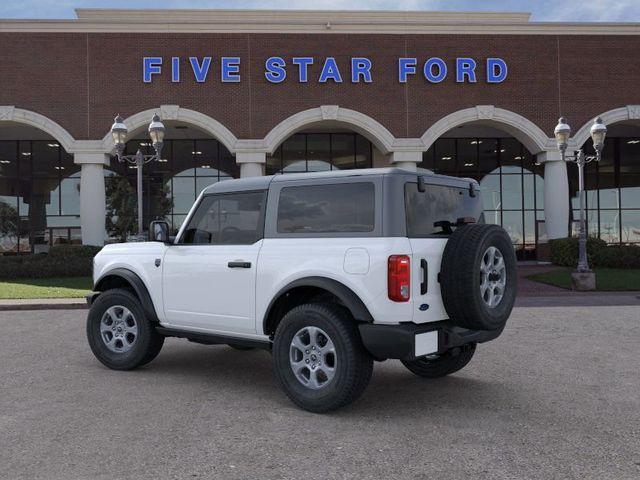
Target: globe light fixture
(598,133)
(562,133)
(156,133)
(583,278)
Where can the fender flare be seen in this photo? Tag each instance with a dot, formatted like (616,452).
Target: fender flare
(136,283)
(347,296)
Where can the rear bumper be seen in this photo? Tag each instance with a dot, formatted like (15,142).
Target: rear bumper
(399,341)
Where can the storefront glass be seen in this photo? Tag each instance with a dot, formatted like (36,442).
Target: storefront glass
(317,152)
(512,184)
(39,196)
(612,191)
(171,186)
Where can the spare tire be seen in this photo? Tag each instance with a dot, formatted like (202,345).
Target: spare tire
(478,277)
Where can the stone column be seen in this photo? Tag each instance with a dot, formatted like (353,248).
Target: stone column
(251,163)
(406,160)
(556,194)
(92,197)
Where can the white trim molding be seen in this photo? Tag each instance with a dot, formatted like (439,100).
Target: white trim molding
(179,114)
(10,113)
(629,112)
(523,129)
(377,133)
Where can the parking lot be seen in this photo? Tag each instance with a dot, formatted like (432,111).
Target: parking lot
(557,396)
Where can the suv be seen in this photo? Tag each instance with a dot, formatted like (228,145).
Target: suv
(328,271)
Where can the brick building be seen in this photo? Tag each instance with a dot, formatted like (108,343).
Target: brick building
(252,92)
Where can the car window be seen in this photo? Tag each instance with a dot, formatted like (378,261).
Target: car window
(227,219)
(343,207)
(437,210)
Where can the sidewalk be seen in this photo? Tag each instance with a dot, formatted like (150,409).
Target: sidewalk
(530,294)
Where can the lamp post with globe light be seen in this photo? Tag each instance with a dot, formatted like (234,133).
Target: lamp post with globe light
(119,133)
(583,278)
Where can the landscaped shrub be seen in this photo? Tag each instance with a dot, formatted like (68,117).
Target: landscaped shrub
(618,256)
(61,261)
(564,251)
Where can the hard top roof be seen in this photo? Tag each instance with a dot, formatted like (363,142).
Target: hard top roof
(262,183)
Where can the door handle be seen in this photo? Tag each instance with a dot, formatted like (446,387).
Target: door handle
(425,276)
(239,264)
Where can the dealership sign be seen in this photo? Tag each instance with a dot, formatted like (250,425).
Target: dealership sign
(310,69)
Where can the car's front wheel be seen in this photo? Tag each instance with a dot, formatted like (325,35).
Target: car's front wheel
(319,358)
(119,333)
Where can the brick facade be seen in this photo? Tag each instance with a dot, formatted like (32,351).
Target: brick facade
(80,80)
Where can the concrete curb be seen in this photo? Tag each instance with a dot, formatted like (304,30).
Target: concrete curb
(43,304)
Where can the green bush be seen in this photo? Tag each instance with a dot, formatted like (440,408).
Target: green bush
(61,261)
(618,256)
(564,251)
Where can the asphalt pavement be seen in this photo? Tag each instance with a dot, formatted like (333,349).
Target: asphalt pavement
(556,396)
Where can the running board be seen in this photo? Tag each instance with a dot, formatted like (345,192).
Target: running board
(214,339)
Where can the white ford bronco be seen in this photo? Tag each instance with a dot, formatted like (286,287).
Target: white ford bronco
(327,271)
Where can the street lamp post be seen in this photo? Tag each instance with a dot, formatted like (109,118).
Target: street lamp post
(562,133)
(156,132)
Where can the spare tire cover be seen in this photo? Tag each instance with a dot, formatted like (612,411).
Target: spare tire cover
(478,277)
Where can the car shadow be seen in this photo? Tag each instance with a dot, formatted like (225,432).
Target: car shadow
(242,372)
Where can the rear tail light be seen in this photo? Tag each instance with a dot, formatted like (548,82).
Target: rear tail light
(398,278)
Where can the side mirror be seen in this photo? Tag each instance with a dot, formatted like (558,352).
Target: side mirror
(159,231)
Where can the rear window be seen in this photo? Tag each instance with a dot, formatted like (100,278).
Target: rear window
(436,210)
(337,208)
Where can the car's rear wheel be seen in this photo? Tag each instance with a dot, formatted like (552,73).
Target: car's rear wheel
(119,333)
(320,361)
(435,366)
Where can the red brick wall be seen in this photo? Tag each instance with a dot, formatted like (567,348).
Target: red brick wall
(82,80)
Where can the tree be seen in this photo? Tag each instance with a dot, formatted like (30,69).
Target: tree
(9,221)
(121,207)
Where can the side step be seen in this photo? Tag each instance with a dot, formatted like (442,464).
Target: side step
(214,339)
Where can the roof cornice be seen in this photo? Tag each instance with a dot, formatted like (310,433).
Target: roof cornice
(314,22)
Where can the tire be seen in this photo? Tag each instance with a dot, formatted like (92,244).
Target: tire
(121,350)
(476,291)
(446,364)
(340,377)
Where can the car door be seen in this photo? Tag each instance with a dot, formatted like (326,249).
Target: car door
(209,275)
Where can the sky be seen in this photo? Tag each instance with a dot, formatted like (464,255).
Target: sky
(542,10)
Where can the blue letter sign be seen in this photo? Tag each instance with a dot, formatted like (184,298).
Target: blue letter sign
(230,69)
(360,67)
(275,69)
(330,71)
(434,69)
(303,67)
(151,66)
(200,71)
(406,66)
(496,70)
(428,70)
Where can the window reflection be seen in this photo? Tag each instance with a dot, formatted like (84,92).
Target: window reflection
(612,191)
(170,186)
(317,152)
(39,196)
(512,185)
